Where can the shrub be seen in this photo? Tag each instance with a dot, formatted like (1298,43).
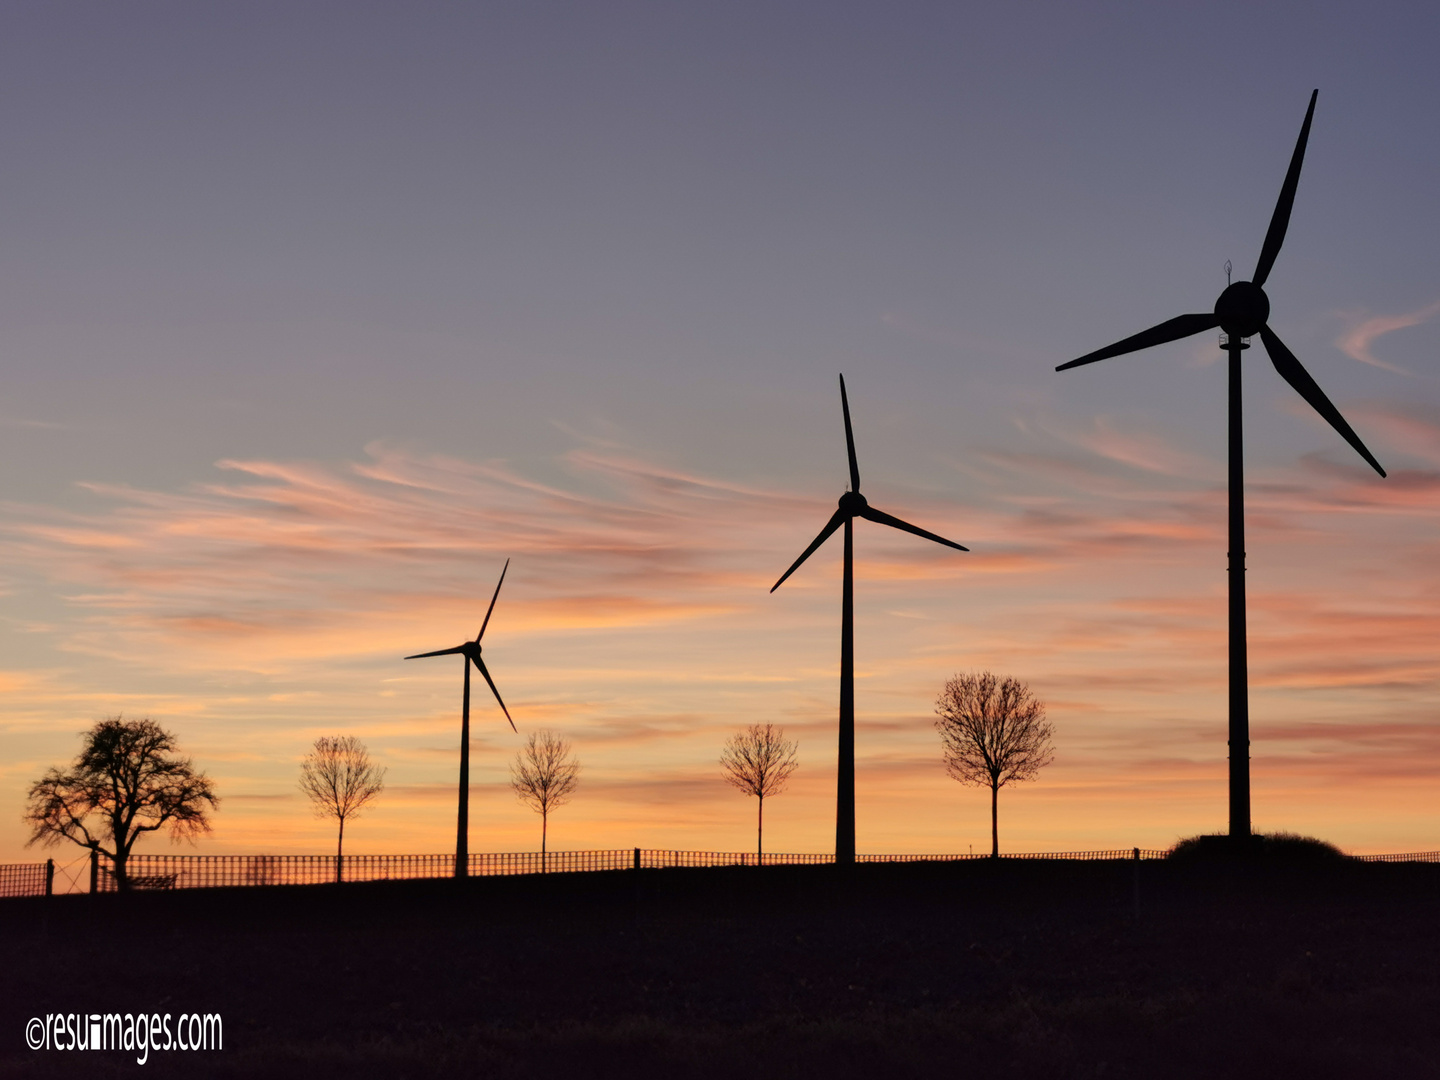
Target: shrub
(1272,847)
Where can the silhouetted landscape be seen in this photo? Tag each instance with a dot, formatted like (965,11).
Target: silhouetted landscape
(1009,968)
(311,321)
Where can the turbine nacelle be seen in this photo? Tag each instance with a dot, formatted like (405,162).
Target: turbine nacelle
(853,505)
(471,651)
(1243,308)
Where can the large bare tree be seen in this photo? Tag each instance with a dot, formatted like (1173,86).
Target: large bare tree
(544,775)
(340,779)
(994,732)
(128,780)
(759,761)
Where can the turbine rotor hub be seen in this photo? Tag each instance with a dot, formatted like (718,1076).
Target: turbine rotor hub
(852,502)
(1243,308)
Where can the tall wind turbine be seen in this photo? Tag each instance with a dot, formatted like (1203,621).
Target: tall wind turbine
(470,650)
(1242,311)
(852,505)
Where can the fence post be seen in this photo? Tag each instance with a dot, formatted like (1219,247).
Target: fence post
(1137,884)
(94,871)
(637,858)
(49,877)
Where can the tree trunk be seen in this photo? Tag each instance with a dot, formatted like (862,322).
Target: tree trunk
(760,833)
(544,832)
(339,858)
(994,820)
(117,862)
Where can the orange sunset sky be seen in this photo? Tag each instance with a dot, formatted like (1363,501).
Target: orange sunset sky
(310,328)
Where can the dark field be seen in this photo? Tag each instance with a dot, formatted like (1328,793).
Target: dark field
(1022,969)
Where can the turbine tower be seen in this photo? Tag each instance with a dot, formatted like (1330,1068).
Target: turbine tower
(470,650)
(852,505)
(1242,311)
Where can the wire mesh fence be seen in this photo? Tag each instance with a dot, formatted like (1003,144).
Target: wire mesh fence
(658,859)
(555,862)
(1111,854)
(1414,856)
(1115,853)
(26,879)
(149,872)
(219,871)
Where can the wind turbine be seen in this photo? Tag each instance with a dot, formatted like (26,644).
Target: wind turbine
(1242,311)
(470,650)
(852,505)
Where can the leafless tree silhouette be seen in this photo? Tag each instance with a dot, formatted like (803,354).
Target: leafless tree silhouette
(759,761)
(340,779)
(127,780)
(994,732)
(544,776)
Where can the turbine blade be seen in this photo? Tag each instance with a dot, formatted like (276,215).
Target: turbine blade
(1281,219)
(481,665)
(492,602)
(836,520)
(1182,326)
(849,441)
(882,518)
(1294,373)
(438,652)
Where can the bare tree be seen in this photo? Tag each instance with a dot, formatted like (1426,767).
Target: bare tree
(759,761)
(126,781)
(544,776)
(994,732)
(340,779)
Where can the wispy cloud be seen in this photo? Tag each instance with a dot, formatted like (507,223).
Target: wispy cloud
(1356,340)
(1145,450)
(288,551)
(273,601)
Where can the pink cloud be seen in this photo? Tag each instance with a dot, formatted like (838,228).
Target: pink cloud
(1355,342)
(275,601)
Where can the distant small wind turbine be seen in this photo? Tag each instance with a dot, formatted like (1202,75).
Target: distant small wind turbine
(852,505)
(471,651)
(1242,310)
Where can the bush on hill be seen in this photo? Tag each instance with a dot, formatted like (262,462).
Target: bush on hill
(1271,847)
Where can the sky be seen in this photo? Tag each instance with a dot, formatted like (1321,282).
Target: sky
(314,314)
